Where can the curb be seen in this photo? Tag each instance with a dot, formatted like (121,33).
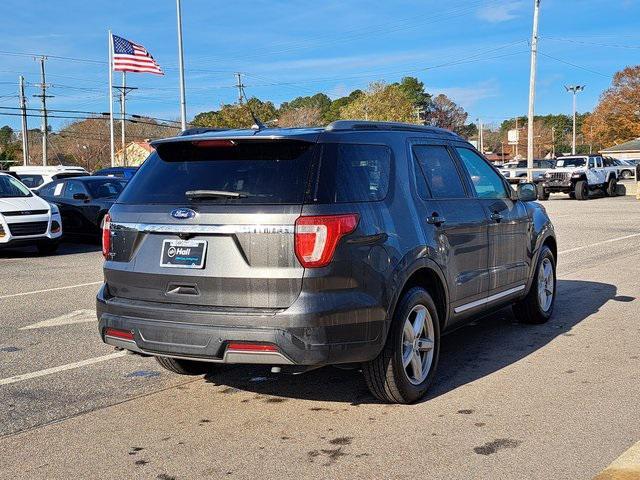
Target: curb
(625,467)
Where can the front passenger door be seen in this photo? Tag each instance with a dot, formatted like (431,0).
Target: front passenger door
(509,226)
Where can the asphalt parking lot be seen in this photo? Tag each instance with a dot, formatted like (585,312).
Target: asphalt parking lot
(511,401)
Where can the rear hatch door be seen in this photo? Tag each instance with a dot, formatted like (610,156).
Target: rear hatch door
(211,223)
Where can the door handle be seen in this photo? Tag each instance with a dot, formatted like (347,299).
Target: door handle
(436,219)
(496,217)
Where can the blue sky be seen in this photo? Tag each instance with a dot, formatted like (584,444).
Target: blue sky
(474,51)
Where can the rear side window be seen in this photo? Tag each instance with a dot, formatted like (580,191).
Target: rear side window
(350,173)
(259,172)
(439,171)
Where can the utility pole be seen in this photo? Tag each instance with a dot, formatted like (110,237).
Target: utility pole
(532,89)
(574,89)
(240,87)
(517,138)
(43,96)
(25,129)
(183,100)
(553,142)
(123,111)
(480,137)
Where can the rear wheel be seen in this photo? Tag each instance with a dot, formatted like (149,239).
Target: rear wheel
(537,306)
(582,190)
(612,184)
(542,193)
(626,174)
(183,367)
(405,368)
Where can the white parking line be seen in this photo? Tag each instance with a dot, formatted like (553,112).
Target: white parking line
(600,243)
(12,295)
(77,316)
(61,368)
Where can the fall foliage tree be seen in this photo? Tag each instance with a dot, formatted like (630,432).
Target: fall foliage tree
(616,117)
(300,117)
(381,102)
(236,116)
(445,113)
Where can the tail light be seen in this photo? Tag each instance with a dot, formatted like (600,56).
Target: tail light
(316,237)
(106,236)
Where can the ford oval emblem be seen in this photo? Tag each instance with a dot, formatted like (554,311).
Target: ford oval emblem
(183,213)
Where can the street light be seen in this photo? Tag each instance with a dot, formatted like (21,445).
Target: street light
(574,89)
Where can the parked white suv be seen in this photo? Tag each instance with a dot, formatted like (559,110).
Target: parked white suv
(516,171)
(26,219)
(35,176)
(578,175)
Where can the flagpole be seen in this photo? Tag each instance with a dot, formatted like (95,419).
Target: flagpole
(123,112)
(113,156)
(183,100)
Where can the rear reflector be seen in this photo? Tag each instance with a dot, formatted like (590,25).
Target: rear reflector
(317,237)
(251,347)
(117,333)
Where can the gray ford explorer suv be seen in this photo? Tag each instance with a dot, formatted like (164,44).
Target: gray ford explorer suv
(358,243)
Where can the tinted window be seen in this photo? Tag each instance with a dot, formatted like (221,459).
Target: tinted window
(11,188)
(47,190)
(263,172)
(439,170)
(32,181)
(350,173)
(105,188)
(72,188)
(486,181)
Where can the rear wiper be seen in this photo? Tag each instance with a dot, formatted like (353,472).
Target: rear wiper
(196,194)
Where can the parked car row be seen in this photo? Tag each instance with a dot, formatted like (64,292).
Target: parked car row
(38,203)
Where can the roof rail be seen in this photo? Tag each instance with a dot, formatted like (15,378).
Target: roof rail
(340,125)
(198,130)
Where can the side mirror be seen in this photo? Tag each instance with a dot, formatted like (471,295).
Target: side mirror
(80,196)
(527,192)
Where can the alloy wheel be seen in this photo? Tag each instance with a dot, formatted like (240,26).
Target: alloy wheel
(418,343)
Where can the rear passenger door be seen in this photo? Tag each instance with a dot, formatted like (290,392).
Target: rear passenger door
(509,226)
(456,221)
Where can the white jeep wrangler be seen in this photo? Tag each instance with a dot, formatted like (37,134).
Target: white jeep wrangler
(578,175)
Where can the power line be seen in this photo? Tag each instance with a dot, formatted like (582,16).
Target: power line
(575,65)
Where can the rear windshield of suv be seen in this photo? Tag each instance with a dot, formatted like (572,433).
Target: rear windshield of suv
(261,172)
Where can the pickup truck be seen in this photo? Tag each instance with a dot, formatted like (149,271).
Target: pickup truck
(578,175)
(516,172)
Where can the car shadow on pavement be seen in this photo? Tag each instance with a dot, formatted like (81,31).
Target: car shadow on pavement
(479,349)
(67,247)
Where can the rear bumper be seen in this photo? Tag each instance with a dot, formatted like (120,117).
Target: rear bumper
(318,329)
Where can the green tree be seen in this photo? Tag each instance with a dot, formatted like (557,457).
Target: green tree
(320,102)
(381,102)
(338,104)
(414,89)
(237,116)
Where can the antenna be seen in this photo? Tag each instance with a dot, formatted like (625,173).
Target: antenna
(257,124)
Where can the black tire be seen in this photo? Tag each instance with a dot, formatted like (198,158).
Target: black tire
(529,310)
(612,184)
(47,248)
(582,190)
(183,367)
(572,195)
(385,375)
(542,193)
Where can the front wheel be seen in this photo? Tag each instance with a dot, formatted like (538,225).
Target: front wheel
(183,367)
(537,306)
(405,368)
(582,190)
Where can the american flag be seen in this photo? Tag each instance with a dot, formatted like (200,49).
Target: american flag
(131,57)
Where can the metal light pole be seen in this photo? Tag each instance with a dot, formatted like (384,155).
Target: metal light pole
(574,89)
(532,89)
(183,99)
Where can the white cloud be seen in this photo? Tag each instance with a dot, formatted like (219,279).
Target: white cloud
(468,96)
(502,11)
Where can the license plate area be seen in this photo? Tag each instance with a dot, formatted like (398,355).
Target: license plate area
(183,253)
